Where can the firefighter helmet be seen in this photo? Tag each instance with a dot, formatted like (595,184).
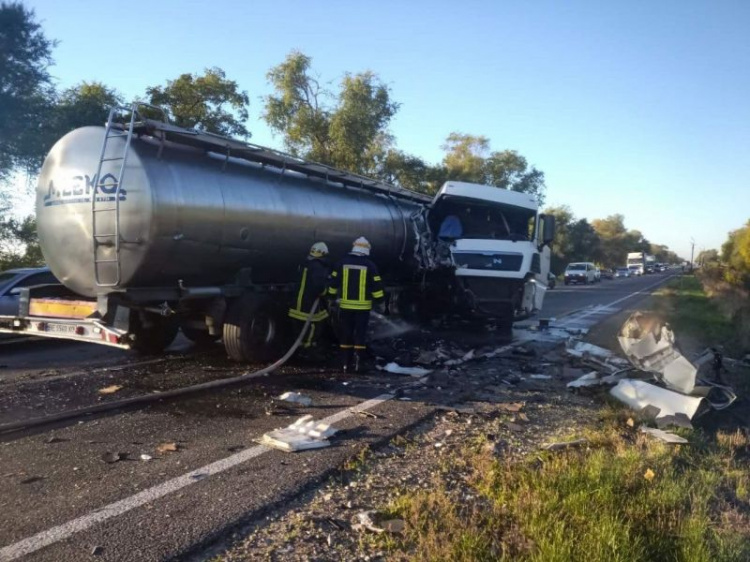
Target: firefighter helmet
(318,250)
(361,246)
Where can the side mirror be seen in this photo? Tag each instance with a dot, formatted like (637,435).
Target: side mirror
(15,291)
(548,229)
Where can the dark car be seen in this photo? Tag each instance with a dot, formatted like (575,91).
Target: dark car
(551,281)
(13,280)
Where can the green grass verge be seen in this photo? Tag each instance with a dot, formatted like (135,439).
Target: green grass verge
(626,497)
(689,311)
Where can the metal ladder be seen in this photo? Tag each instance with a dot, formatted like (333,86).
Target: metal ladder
(103,204)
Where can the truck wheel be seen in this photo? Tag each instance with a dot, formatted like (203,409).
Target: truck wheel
(151,333)
(200,338)
(254,330)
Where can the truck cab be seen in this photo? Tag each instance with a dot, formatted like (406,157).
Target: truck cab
(496,245)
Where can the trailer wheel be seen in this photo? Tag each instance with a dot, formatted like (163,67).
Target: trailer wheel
(201,338)
(254,330)
(151,333)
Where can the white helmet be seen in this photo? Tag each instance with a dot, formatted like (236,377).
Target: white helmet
(361,246)
(318,250)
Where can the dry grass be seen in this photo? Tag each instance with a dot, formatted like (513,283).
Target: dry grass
(624,498)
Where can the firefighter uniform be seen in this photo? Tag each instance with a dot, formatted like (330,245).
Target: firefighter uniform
(310,286)
(355,283)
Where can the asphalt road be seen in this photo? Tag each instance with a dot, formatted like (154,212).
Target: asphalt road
(63,500)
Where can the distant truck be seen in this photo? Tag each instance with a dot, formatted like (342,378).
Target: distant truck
(651,264)
(152,228)
(637,262)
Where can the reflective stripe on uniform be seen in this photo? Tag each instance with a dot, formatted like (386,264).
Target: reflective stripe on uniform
(356,305)
(378,295)
(301,289)
(300,315)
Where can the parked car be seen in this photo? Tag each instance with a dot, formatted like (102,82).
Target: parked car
(622,273)
(608,273)
(581,272)
(551,280)
(13,280)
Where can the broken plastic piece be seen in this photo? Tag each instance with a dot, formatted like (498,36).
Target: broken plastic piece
(564,445)
(110,389)
(639,394)
(296,398)
(305,433)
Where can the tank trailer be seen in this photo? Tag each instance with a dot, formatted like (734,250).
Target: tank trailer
(153,228)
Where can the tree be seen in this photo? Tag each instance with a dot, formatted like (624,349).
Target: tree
(25,87)
(200,102)
(585,242)
(562,246)
(615,242)
(19,245)
(88,103)
(468,158)
(735,253)
(707,256)
(347,130)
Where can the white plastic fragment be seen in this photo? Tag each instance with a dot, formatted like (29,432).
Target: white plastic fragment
(397,369)
(541,377)
(305,433)
(145,457)
(589,379)
(639,394)
(666,436)
(296,398)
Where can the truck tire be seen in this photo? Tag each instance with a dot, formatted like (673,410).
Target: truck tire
(151,334)
(201,338)
(255,330)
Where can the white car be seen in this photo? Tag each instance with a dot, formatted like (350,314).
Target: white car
(580,272)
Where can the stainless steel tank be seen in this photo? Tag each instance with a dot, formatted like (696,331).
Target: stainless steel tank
(185,215)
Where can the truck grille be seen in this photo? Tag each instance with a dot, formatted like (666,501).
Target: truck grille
(493,262)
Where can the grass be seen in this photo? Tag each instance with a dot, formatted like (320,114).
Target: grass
(690,311)
(625,498)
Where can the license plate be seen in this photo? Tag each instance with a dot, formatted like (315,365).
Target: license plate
(65,328)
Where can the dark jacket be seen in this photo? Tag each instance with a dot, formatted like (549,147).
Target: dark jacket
(311,285)
(356,281)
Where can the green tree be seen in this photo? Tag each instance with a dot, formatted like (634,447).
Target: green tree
(87,103)
(562,246)
(707,256)
(348,130)
(585,242)
(615,240)
(209,102)
(468,158)
(19,245)
(25,87)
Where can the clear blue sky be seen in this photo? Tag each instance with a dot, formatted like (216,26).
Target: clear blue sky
(637,107)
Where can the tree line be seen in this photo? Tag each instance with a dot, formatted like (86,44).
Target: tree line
(732,263)
(344,124)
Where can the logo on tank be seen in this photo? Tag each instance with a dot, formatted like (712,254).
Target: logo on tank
(79,188)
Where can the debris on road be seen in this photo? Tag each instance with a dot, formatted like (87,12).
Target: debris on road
(145,457)
(541,377)
(511,407)
(666,436)
(111,458)
(678,420)
(564,445)
(397,369)
(305,433)
(168,448)
(110,389)
(296,398)
(638,394)
(364,522)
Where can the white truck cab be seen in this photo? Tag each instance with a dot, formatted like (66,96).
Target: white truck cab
(496,243)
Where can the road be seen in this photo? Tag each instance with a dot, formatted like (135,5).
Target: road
(66,495)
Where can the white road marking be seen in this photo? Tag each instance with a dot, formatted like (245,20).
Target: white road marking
(66,530)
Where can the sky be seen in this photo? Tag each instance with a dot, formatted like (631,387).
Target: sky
(637,107)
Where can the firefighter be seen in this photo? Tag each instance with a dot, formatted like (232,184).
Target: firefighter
(355,283)
(310,286)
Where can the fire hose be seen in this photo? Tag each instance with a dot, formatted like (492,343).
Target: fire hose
(164,395)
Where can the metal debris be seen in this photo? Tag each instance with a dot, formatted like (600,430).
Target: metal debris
(397,369)
(110,389)
(305,433)
(678,420)
(296,398)
(168,448)
(565,445)
(364,522)
(639,394)
(666,436)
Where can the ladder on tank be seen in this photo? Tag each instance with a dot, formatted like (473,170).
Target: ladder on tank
(105,199)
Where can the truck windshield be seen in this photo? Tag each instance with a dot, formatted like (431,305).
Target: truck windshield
(484,222)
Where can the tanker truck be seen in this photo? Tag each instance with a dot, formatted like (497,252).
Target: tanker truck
(152,228)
